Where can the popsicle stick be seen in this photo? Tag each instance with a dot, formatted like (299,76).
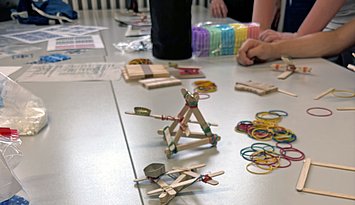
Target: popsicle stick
(324,93)
(285,75)
(346,108)
(287,93)
(327,193)
(334,166)
(303,176)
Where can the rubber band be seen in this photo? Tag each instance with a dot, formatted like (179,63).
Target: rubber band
(258,173)
(337,93)
(327,113)
(284,166)
(272,116)
(279,143)
(140,61)
(207,96)
(242,126)
(283,152)
(279,112)
(265,145)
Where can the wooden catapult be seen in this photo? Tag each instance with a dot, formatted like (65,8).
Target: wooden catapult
(289,68)
(182,177)
(172,137)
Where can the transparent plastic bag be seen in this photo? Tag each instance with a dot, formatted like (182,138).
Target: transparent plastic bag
(20,109)
(11,191)
(140,44)
(219,39)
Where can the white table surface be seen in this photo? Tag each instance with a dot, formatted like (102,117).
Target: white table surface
(90,151)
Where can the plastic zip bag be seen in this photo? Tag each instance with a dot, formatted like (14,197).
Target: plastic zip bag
(20,109)
(11,191)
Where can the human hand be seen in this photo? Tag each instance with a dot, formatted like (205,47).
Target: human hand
(219,9)
(252,50)
(271,35)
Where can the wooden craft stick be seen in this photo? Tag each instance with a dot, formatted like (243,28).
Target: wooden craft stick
(334,166)
(346,108)
(285,75)
(159,82)
(303,176)
(327,193)
(287,93)
(324,93)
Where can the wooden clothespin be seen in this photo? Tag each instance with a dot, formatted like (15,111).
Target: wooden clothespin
(289,68)
(187,71)
(260,88)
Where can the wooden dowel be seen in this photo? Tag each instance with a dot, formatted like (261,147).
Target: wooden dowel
(335,166)
(346,108)
(324,93)
(326,193)
(171,119)
(303,176)
(287,93)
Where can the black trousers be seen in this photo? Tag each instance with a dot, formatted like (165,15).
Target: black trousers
(240,10)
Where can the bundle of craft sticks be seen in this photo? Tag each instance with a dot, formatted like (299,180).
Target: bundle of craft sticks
(136,72)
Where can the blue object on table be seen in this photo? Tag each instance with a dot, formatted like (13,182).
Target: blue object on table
(15,200)
(53,58)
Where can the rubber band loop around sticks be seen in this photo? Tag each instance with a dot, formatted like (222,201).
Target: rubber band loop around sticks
(327,113)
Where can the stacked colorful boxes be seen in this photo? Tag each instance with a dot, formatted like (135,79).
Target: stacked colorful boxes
(221,39)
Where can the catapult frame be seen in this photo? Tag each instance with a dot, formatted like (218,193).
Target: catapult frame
(180,123)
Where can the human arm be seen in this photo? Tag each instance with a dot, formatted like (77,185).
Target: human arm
(264,12)
(218,9)
(320,15)
(312,45)
(317,19)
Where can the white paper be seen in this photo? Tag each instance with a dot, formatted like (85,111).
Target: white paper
(77,42)
(74,30)
(8,70)
(53,32)
(71,72)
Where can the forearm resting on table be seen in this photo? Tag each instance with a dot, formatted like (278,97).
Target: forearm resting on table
(318,44)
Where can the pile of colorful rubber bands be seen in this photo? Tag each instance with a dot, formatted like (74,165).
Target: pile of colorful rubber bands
(265,127)
(265,158)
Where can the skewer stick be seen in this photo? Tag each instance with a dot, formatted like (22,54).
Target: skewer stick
(324,93)
(168,118)
(287,93)
(346,108)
